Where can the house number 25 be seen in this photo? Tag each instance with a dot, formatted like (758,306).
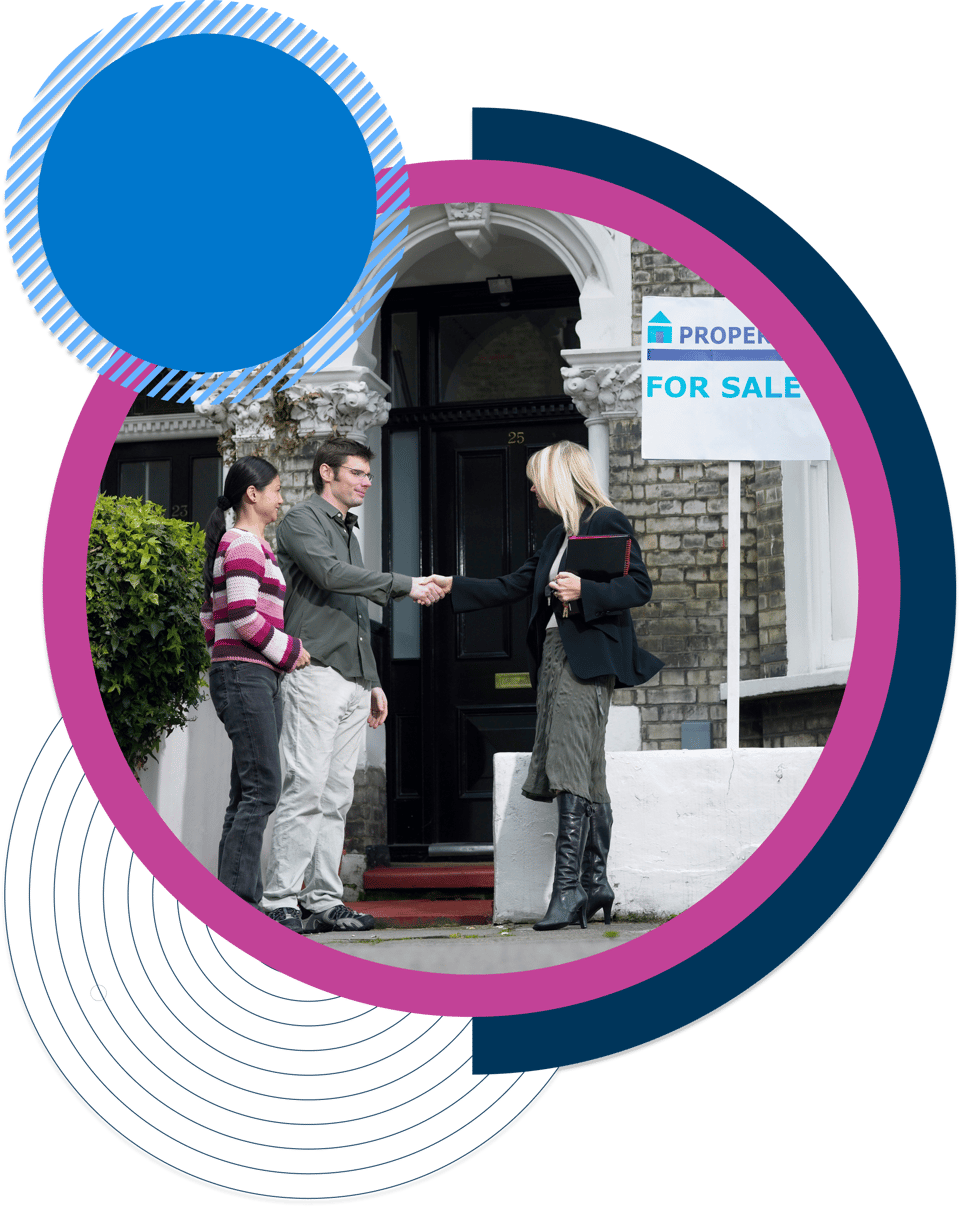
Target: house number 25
(515,438)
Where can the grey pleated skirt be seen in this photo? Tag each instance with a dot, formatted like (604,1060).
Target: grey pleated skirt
(571,725)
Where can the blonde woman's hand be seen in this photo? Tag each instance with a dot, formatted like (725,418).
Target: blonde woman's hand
(444,582)
(566,587)
(425,591)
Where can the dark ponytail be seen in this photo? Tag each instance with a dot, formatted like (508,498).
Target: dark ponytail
(248,471)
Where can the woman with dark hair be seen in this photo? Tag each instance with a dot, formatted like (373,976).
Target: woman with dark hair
(580,651)
(243,625)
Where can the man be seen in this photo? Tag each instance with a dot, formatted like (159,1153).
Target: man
(326,703)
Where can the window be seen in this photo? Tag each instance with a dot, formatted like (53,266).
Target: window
(182,476)
(820,564)
(487,357)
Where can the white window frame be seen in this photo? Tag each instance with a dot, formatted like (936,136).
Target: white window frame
(820,568)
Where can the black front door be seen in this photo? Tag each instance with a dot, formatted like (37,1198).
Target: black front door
(488,524)
(476,390)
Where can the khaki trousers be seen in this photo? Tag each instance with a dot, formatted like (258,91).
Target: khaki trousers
(323,726)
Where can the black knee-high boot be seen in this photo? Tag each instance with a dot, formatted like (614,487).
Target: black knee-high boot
(593,875)
(568,899)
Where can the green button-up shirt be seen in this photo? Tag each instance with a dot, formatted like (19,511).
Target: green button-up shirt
(328,587)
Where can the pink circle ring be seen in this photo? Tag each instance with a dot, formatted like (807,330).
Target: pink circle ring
(700,925)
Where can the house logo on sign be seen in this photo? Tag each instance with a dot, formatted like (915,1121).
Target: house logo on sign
(659,330)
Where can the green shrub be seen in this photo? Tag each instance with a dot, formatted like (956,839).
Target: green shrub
(144,594)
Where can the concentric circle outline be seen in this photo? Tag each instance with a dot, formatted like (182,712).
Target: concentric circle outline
(273,1072)
(267,992)
(300,1098)
(220,992)
(260,1043)
(193,1094)
(226,1161)
(261,1068)
(217,1051)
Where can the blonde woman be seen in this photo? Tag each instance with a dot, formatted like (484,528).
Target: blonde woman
(576,662)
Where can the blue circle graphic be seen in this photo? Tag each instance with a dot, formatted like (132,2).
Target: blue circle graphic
(183,183)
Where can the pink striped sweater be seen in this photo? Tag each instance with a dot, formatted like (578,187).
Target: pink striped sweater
(243,622)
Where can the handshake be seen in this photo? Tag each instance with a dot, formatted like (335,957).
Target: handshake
(427,591)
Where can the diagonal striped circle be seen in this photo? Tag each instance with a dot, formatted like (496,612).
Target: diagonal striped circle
(178,20)
(202,1055)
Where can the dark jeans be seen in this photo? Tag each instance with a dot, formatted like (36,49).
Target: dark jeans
(247,699)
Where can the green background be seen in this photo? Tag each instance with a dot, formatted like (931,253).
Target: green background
(830,1083)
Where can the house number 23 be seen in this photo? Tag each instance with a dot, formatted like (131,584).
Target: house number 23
(515,438)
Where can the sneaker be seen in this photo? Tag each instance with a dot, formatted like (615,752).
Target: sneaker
(290,918)
(337,917)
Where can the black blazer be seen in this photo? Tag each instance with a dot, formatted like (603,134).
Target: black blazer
(599,640)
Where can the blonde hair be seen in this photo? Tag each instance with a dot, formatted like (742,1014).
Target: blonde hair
(566,482)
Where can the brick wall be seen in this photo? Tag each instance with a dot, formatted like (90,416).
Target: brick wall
(679,514)
(660,275)
(367,819)
(797,719)
(771,599)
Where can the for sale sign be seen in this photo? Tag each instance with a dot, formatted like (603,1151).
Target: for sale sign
(714,388)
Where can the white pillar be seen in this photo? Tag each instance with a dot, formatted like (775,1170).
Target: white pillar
(598,441)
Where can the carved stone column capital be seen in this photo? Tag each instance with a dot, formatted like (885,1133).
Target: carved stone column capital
(472,223)
(247,420)
(346,401)
(312,411)
(606,385)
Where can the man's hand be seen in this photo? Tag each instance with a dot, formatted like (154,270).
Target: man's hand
(425,591)
(303,660)
(566,587)
(378,708)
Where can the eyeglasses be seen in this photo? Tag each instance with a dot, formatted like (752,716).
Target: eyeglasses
(359,474)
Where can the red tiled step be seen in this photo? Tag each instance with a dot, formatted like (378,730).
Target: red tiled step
(427,913)
(430,876)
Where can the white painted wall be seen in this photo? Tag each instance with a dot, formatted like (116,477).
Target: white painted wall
(190,782)
(623,728)
(683,820)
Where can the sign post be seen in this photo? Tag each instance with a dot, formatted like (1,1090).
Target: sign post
(733,605)
(714,389)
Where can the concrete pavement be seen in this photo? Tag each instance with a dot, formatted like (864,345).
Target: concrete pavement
(483,949)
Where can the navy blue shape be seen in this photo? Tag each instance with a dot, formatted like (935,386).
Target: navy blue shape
(850,844)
